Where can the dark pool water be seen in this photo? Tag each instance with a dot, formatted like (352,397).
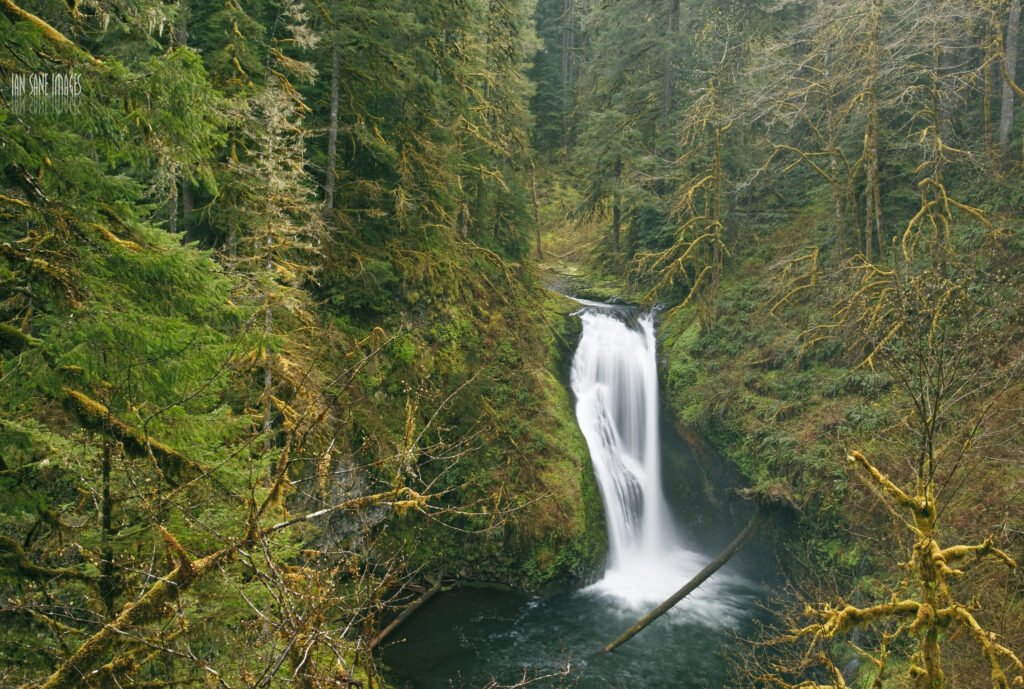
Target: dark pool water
(466,638)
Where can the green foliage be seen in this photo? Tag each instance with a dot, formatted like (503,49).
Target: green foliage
(371,291)
(169,400)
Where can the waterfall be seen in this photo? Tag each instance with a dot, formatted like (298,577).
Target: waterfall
(615,382)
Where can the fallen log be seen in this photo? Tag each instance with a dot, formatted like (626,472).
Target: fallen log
(407,612)
(691,586)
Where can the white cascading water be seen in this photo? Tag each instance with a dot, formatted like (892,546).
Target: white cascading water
(615,381)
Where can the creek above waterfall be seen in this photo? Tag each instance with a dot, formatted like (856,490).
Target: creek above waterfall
(467,637)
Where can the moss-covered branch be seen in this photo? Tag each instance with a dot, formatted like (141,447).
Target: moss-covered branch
(882,481)
(13,339)
(186,572)
(98,417)
(840,620)
(933,610)
(15,12)
(401,499)
(149,607)
(980,551)
(14,557)
(991,649)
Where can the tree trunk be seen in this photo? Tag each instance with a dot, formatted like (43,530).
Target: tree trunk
(838,220)
(268,375)
(478,209)
(187,203)
(568,40)
(332,132)
(873,186)
(708,298)
(668,70)
(989,75)
(536,207)
(617,207)
(1010,61)
(947,101)
(108,583)
(934,592)
(180,33)
(172,210)
(691,586)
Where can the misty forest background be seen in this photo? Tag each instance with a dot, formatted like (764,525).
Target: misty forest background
(277,353)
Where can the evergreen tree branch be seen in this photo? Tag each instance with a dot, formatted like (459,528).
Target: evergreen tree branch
(16,12)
